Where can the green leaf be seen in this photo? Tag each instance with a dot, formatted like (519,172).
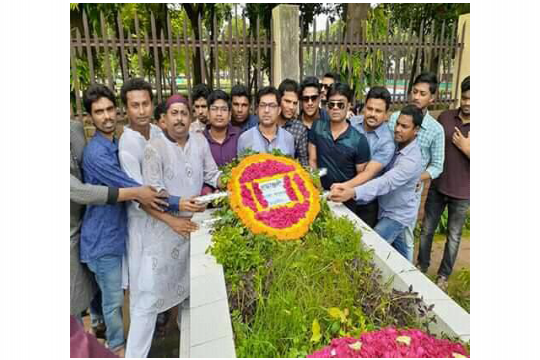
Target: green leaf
(316,329)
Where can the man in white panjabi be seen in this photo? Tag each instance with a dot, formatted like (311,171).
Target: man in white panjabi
(136,95)
(178,162)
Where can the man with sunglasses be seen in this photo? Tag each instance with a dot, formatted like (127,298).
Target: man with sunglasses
(328,79)
(267,135)
(310,91)
(336,145)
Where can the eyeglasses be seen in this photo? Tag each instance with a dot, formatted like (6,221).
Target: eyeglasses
(332,104)
(326,86)
(308,98)
(272,106)
(219,108)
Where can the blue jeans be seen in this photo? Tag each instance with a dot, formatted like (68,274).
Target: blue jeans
(457,213)
(96,312)
(409,230)
(393,232)
(108,272)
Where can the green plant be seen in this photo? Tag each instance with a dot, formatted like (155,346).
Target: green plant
(289,298)
(460,289)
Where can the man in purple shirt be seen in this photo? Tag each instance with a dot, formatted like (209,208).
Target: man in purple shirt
(221,135)
(451,188)
(396,187)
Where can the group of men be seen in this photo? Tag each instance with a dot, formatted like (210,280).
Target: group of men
(140,190)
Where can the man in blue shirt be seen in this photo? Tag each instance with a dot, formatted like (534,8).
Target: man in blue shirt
(430,139)
(241,101)
(381,146)
(397,186)
(104,228)
(335,145)
(268,135)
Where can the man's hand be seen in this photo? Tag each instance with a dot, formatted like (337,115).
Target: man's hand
(340,193)
(183,226)
(148,196)
(191,205)
(463,143)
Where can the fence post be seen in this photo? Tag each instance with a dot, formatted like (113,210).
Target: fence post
(286,37)
(462,60)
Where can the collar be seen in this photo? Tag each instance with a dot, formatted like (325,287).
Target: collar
(359,120)
(103,140)
(260,133)
(166,135)
(461,118)
(407,149)
(231,131)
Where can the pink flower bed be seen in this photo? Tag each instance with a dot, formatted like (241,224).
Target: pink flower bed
(290,191)
(247,199)
(283,217)
(259,195)
(391,343)
(264,169)
(298,180)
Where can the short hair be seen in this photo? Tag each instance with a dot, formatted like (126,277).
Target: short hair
(200,91)
(333,75)
(466,84)
(288,85)
(135,84)
(96,92)
(415,112)
(310,81)
(240,90)
(218,95)
(267,90)
(160,109)
(430,78)
(380,92)
(340,89)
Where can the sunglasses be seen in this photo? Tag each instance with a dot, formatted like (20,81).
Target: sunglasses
(326,86)
(312,98)
(332,104)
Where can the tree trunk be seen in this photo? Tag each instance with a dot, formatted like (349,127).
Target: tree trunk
(355,15)
(193,12)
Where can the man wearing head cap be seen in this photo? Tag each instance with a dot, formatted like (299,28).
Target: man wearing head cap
(179,163)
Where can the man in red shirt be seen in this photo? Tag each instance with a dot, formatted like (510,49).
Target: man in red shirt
(451,188)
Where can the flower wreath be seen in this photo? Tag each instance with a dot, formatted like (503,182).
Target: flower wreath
(273,195)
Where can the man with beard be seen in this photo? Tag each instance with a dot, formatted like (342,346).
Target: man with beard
(104,228)
(241,101)
(310,96)
(268,135)
(430,138)
(179,163)
(381,146)
(451,189)
(200,107)
(288,89)
(396,187)
(81,289)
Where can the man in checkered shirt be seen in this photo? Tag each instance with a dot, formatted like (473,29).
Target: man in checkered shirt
(287,119)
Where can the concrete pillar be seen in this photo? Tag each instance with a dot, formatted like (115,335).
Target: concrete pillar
(462,62)
(287,38)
